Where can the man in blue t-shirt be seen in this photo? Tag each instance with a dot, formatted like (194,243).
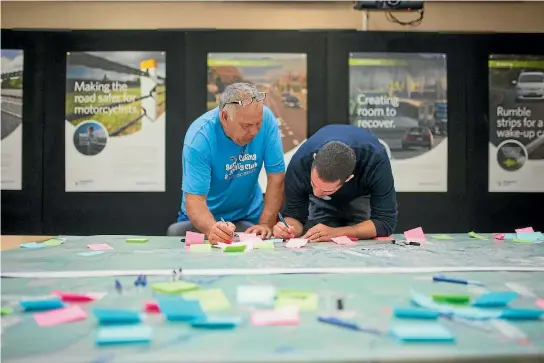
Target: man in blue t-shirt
(223,153)
(339,183)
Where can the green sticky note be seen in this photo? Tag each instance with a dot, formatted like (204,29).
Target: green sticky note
(137,240)
(264,245)
(201,248)
(457,299)
(52,242)
(441,236)
(174,287)
(237,248)
(210,300)
(522,240)
(304,300)
(476,235)
(6,311)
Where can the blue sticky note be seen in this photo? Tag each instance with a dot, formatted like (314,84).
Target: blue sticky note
(419,332)
(211,322)
(178,309)
(124,334)
(411,313)
(116,316)
(509,236)
(531,236)
(91,253)
(496,299)
(32,245)
(41,305)
(522,314)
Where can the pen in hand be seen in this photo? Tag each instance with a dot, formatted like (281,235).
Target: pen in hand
(285,223)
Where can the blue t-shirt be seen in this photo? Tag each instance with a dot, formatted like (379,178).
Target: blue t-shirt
(213,165)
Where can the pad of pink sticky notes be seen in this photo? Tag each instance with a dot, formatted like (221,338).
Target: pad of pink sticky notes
(343,240)
(540,303)
(282,316)
(247,236)
(193,238)
(77,297)
(524,230)
(415,235)
(296,242)
(60,316)
(100,247)
(498,236)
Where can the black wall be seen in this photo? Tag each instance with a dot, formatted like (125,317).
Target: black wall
(44,207)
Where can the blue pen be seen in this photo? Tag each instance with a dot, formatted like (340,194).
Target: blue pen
(282,220)
(453,280)
(347,324)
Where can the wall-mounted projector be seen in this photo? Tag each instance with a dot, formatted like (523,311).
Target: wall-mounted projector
(388,5)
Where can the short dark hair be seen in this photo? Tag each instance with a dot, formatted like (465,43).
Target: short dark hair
(334,161)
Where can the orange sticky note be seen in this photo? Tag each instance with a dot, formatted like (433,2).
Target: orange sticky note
(60,316)
(523,230)
(193,238)
(282,316)
(415,235)
(343,240)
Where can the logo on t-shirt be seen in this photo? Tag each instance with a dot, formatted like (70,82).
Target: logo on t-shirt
(241,165)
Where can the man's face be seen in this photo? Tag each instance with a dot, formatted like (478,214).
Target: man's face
(246,123)
(322,188)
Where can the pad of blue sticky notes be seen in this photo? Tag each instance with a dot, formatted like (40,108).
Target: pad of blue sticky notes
(211,322)
(116,316)
(178,309)
(522,314)
(419,332)
(509,236)
(41,305)
(495,299)
(32,245)
(124,334)
(531,236)
(414,313)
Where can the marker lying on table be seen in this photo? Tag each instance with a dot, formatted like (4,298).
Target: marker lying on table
(348,324)
(453,280)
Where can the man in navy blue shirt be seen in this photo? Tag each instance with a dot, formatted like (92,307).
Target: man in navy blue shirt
(339,183)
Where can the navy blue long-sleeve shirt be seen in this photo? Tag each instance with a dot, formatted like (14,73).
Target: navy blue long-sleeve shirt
(372,176)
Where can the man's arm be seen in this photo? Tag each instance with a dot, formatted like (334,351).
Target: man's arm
(198,212)
(296,199)
(273,199)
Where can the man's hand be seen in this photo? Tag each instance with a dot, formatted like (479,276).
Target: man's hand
(261,230)
(221,232)
(320,233)
(281,231)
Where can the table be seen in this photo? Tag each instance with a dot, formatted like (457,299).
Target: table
(368,299)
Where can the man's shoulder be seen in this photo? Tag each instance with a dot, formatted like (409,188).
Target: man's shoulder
(202,131)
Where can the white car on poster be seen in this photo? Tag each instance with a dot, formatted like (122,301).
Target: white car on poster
(529,85)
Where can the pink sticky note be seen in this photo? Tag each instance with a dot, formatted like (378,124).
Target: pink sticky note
(152,307)
(540,303)
(415,235)
(247,236)
(283,316)
(526,229)
(498,236)
(343,240)
(296,242)
(76,297)
(100,247)
(60,316)
(193,238)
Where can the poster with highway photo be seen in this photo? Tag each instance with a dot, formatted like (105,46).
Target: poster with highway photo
(115,121)
(12,119)
(402,99)
(281,75)
(516,123)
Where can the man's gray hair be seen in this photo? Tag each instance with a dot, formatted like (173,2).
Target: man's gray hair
(236,92)
(335,161)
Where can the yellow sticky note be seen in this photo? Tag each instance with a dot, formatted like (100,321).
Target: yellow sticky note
(200,248)
(476,235)
(442,236)
(52,242)
(304,300)
(210,300)
(174,287)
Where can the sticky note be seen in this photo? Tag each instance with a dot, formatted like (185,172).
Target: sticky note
(296,243)
(60,316)
(53,242)
(476,235)
(531,236)
(151,307)
(100,247)
(415,235)
(283,316)
(264,245)
(540,303)
(91,253)
(526,229)
(419,332)
(210,300)
(212,322)
(248,236)
(508,236)
(495,299)
(76,297)
(458,299)
(174,287)
(414,313)
(200,248)
(517,240)
(6,311)
(255,294)
(31,245)
(461,312)
(522,314)
(193,238)
(37,305)
(178,309)
(303,300)
(235,248)
(116,316)
(343,240)
(442,236)
(124,334)
(137,240)
(498,236)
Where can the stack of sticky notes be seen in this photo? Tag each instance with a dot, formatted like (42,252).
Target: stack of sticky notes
(296,243)
(137,240)
(194,238)
(303,300)
(256,295)
(175,308)
(522,235)
(281,316)
(422,332)
(415,235)
(233,247)
(42,304)
(174,287)
(60,316)
(120,326)
(116,316)
(210,300)
(216,322)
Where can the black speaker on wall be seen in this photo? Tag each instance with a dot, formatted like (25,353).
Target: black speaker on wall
(388,5)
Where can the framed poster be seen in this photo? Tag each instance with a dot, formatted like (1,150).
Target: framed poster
(283,76)
(115,121)
(12,119)
(402,99)
(516,123)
